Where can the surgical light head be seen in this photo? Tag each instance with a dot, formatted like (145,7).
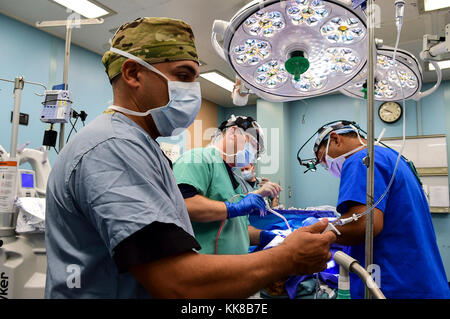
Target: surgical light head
(289,50)
(389,86)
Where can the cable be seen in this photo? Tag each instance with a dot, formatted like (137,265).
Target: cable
(399,23)
(73,128)
(216,246)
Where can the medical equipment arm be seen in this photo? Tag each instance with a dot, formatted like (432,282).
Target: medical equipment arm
(348,264)
(434,49)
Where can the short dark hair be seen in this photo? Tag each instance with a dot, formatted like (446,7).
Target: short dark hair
(351,134)
(114,80)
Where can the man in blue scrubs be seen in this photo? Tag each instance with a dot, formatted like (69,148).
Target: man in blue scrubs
(405,246)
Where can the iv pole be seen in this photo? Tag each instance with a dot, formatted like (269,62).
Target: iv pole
(69,24)
(369,160)
(8,219)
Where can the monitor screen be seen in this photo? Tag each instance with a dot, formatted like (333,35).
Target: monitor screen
(27,180)
(51,99)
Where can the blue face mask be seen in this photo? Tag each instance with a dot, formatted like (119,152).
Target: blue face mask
(185,100)
(244,157)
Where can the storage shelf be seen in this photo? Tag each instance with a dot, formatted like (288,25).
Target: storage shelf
(432,171)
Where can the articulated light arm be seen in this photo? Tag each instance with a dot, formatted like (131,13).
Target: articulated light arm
(433,49)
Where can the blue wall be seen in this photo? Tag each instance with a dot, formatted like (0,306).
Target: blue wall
(39,57)
(224,113)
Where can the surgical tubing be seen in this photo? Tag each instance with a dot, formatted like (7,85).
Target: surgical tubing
(399,27)
(279,215)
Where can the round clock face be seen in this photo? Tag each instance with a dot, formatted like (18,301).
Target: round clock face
(390,112)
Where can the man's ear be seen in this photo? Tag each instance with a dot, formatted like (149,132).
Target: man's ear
(130,73)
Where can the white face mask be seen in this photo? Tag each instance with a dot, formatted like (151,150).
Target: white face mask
(242,157)
(334,165)
(185,100)
(247,175)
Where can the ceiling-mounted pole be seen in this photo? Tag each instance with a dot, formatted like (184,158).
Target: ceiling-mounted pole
(65,76)
(18,87)
(69,24)
(371,54)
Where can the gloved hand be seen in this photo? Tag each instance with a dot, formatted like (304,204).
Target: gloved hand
(250,204)
(269,189)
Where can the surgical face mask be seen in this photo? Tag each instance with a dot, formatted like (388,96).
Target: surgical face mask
(184,102)
(242,157)
(334,165)
(245,157)
(247,175)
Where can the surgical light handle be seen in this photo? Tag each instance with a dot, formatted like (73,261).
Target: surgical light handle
(421,95)
(218,30)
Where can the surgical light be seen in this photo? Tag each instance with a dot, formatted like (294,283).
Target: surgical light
(218,79)
(387,83)
(84,7)
(289,50)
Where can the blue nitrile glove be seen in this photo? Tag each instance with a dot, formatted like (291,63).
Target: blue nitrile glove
(250,204)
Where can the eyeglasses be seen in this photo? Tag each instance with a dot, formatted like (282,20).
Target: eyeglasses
(251,128)
(321,134)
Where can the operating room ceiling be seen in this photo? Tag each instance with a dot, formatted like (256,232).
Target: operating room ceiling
(201,14)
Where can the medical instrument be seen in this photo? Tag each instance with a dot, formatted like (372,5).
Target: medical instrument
(270,210)
(57,107)
(289,50)
(26,186)
(24,279)
(69,24)
(330,226)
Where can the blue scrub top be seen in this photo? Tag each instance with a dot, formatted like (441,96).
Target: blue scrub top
(406,249)
(109,182)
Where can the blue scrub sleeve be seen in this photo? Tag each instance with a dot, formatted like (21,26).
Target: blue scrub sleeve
(120,189)
(353,184)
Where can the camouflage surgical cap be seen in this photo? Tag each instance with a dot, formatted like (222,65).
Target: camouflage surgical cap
(154,40)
